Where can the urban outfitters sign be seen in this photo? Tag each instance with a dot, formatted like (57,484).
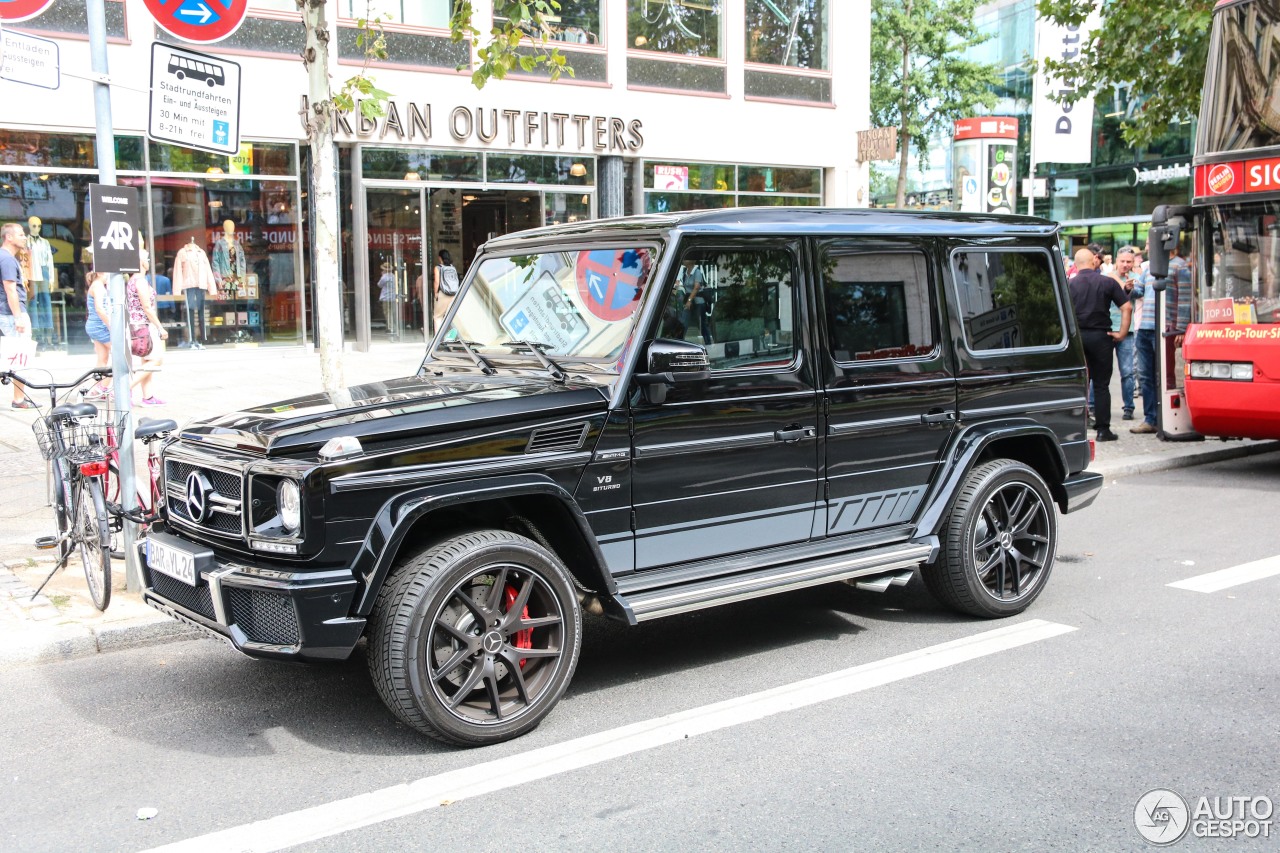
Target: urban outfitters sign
(407,121)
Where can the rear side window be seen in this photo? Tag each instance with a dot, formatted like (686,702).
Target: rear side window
(1007,299)
(877,304)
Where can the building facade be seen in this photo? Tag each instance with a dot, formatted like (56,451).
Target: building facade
(673,105)
(1110,199)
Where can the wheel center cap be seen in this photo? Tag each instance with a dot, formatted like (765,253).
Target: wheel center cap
(1006,540)
(492,642)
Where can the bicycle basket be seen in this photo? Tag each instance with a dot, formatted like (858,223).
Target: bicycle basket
(80,439)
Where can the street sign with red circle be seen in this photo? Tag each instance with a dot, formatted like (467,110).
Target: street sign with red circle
(203,21)
(22,10)
(609,281)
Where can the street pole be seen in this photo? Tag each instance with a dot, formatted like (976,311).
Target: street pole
(105,148)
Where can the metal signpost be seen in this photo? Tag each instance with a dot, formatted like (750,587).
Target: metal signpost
(195,100)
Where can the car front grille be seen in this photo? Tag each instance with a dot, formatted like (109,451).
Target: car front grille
(224,505)
(197,599)
(265,617)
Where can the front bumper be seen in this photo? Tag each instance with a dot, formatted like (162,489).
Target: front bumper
(1079,490)
(262,612)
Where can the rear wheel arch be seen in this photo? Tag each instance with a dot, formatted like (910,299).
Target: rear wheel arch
(1037,451)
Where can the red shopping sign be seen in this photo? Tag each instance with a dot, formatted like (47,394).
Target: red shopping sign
(21,10)
(203,21)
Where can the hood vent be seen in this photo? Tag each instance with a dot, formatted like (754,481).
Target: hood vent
(557,438)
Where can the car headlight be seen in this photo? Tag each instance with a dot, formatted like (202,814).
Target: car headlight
(290,503)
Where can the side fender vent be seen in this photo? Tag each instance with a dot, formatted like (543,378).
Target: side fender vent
(568,437)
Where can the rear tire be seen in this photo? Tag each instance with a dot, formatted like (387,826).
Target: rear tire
(474,640)
(998,544)
(94,537)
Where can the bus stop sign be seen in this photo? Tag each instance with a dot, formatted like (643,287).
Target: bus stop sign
(195,100)
(202,21)
(115,224)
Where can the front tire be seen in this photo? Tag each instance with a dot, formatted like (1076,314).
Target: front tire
(95,541)
(474,640)
(998,544)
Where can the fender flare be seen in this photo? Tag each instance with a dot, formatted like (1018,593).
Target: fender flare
(398,515)
(963,453)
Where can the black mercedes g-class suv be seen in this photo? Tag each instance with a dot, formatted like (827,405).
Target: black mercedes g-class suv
(643,417)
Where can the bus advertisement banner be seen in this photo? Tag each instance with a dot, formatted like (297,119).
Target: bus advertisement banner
(1238,177)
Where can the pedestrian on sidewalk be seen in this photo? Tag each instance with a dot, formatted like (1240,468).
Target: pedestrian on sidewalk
(1125,275)
(14,319)
(1091,295)
(147,334)
(444,285)
(97,325)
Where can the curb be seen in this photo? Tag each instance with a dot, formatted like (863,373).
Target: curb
(70,642)
(1127,467)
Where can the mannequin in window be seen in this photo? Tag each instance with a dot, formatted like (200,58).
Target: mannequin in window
(228,261)
(42,277)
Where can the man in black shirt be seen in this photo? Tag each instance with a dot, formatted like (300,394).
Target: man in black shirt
(1092,295)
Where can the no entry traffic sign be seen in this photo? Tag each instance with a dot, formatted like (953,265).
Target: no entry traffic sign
(22,10)
(609,282)
(203,21)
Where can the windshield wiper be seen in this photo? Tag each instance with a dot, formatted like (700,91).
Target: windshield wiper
(536,348)
(480,361)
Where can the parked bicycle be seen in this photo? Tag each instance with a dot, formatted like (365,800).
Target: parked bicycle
(75,437)
(150,493)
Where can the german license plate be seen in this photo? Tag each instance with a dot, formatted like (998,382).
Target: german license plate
(174,563)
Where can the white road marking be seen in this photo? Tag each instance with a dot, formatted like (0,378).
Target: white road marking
(1234,576)
(341,816)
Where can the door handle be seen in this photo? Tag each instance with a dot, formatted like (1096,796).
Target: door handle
(794,433)
(937,417)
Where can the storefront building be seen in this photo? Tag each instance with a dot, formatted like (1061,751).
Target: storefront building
(673,105)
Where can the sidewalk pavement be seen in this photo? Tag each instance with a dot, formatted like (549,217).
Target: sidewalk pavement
(61,622)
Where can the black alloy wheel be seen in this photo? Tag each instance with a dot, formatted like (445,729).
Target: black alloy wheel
(998,544)
(474,640)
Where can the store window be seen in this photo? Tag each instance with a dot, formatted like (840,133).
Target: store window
(792,34)
(420,13)
(680,27)
(672,187)
(576,22)
(539,169)
(255,158)
(414,164)
(26,148)
(670,42)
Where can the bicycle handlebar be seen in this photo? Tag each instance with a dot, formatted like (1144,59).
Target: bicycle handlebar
(7,376)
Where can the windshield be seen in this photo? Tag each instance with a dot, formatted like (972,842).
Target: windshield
(1239,108)
(1242,283)
(574,304)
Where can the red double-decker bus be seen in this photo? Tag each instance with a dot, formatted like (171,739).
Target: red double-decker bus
(1231,349)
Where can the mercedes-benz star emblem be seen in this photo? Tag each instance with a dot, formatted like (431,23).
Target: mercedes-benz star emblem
(198,489)
(493,642)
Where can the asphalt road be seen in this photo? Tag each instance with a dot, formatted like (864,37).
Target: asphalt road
(1043,746)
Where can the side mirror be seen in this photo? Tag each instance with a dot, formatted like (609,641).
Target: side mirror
(672,363)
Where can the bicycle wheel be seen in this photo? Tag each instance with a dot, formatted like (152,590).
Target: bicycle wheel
(95,540)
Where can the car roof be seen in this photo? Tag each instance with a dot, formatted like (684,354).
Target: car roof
(793,220)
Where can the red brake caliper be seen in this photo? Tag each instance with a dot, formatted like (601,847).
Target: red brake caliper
(524,639)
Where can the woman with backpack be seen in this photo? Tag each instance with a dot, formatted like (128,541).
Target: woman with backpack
(146,333)
(444,284)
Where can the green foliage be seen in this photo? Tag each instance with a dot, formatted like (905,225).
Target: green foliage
(1023,284)
(921,81)
(516,23)
(1158,51)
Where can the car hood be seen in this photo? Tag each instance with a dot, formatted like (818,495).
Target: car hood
(415,408)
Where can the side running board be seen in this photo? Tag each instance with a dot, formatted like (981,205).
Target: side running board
(895,561)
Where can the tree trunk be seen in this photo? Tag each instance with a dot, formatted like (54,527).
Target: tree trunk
(904,136)
(324,198)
